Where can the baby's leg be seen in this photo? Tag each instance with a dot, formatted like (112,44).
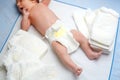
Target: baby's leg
(61,52)
(91,54)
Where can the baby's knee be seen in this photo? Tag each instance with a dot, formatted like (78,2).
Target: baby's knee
(74,31)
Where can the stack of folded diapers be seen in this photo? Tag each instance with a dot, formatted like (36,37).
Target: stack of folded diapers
(98,26)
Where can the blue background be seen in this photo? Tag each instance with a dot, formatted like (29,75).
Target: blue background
(8,17)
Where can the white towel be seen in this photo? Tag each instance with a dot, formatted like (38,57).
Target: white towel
(29,42)
(23,58)
(21,64)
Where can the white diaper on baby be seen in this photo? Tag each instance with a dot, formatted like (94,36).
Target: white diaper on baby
(57,32)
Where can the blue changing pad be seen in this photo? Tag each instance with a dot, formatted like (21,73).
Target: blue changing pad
(94,4)
(8,17)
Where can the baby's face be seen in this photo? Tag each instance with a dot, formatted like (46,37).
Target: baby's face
(19,5)
(22,4)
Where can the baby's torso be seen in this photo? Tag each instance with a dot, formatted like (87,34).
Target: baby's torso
(42,17)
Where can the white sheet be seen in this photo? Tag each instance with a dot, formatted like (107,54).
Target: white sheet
(92,70)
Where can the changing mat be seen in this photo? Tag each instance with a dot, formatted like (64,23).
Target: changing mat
(92,70)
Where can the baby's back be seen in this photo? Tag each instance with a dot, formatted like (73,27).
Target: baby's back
(42,17)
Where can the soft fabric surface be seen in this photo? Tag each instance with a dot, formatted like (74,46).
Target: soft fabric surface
(24,65)
(29,42)
(23,58)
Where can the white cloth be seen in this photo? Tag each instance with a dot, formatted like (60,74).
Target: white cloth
(30,42)
(57,32)
(21,64)
(23,58)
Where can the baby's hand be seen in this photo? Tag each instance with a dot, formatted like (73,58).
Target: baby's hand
(25,12)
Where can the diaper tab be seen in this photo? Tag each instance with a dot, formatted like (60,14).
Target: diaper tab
(60,32)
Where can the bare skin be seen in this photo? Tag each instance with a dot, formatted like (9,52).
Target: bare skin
(41,17)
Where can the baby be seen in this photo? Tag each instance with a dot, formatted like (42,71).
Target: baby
(51,27)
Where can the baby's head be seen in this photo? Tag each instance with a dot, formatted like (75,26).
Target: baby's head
(25,3)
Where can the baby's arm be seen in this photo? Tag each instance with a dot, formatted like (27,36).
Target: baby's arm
(25,23)
(46,2)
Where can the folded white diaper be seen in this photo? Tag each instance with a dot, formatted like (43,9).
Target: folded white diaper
(104,28)
(98,26)
(29,42)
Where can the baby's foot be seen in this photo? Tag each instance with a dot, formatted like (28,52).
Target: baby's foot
(94,55)
(77,70)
